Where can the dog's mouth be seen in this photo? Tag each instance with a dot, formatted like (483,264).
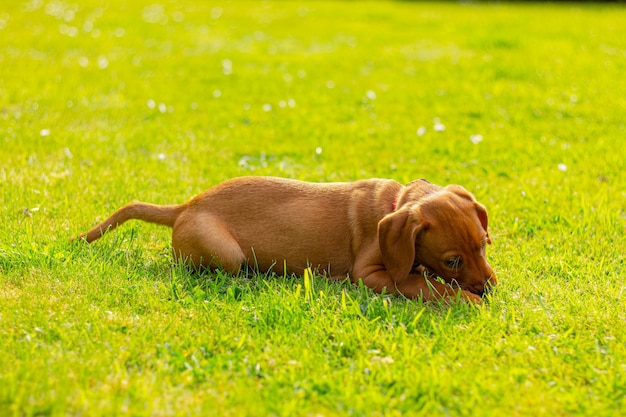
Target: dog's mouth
(428,272)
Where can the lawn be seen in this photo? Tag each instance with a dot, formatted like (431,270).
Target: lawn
(103,103)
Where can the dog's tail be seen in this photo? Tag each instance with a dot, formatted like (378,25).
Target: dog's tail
(151,213)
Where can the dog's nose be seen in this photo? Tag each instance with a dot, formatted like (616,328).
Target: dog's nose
(489,286)
(484,289)
(492,281)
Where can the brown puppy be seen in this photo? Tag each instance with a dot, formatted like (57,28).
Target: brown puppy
(376,230)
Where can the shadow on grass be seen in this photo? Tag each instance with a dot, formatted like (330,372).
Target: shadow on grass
(292,300)
(124,263)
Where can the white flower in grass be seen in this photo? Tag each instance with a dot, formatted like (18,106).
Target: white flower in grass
(103,62)
(227,67)
(438,126)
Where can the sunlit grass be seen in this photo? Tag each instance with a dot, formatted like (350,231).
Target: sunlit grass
(105,103)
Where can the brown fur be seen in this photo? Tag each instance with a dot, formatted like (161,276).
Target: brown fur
(372,230)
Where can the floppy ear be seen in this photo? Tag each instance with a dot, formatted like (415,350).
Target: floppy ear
(396,238)
(482,216)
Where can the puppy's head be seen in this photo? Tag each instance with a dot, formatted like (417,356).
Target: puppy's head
(445,231)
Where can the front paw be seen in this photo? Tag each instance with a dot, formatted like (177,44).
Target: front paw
(470,296)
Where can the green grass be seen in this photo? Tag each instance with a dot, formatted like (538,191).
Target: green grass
(102,103)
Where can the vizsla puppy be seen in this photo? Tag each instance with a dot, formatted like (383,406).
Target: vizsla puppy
(378,231)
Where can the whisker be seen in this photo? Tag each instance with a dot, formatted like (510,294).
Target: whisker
(498,235)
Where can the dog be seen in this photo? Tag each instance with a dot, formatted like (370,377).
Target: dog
(393,238)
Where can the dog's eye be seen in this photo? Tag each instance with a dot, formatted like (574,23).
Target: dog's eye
(453,263)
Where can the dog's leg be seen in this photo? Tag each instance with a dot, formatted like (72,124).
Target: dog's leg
(204,241)
(374,275)
(416,286)
(431,289)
